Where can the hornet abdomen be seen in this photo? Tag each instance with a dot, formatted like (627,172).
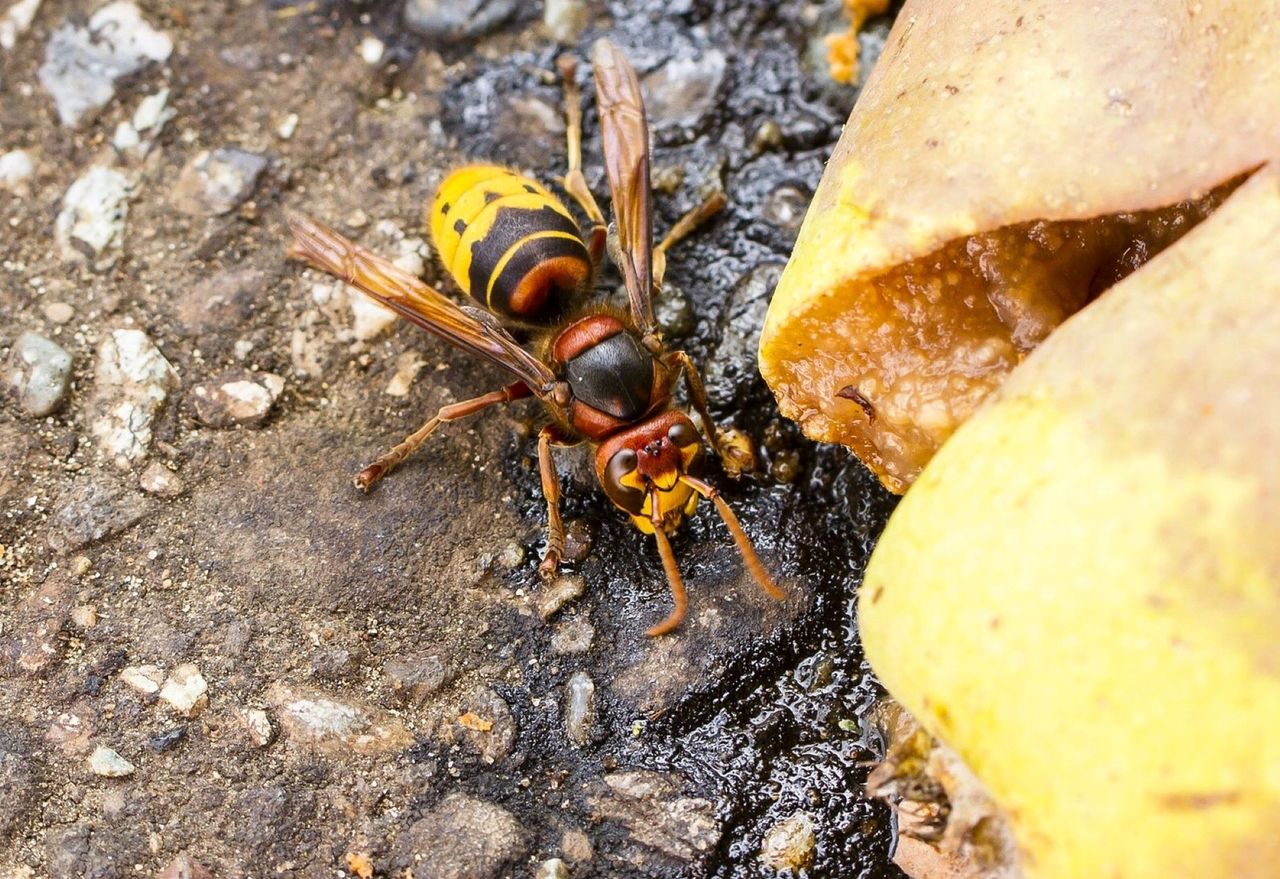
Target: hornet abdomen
(509,243)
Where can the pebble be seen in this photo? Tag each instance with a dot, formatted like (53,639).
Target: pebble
(572,637)
(259,726)
(565,20)
(90,226)
(576,846)
(108,764)
(183,867)
(408,365)
(482,720)
(464,837)
(38,374)
(82,63)
(157,479)
(553,869)
(146,679)
(288,126)
(217,182)
(132,382)
(15,22)
(91,511)
(790,844)
(186,691)
(577,540)
(338,729)
(785,208)
(682,91)
(580,707)
(561,591)
(85,616)
(371,50)
(238,399)
(59,313)
(369,319)
(454,19)
(416,678)
(138,134)
(655,812)
(16,167)
(166,739)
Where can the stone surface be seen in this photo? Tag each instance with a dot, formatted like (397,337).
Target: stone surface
(683,90)
(417,677)
(237,399)
(453,19)
(464,838)
(92,511)
(90,226)
(19,779)
(315,721)
(108,764)
(267,565)
(38,374)
(216,182)
(258,726)
(132,382)
(82,63)
(652,808)
(183,866)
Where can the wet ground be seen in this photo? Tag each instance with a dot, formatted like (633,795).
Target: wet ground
(213,648)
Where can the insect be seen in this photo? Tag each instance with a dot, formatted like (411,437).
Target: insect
(604,375)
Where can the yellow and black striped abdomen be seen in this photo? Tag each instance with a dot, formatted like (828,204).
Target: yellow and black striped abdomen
(508,242)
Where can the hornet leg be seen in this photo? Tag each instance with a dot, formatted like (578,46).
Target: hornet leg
(684,227)
(366,478)
(574,183)
(551,491)
(733,446)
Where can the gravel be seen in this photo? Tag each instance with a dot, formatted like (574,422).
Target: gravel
(464,838)
(107,763)
(444,20)
(236,399)
(83,63)
(38,374)
(132,382)
(580,707)
(217,182)
(90,226)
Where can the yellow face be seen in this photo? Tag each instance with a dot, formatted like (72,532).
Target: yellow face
(649,466)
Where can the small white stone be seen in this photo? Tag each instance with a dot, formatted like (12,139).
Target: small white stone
(82,64)
(553,869)
(259,726)
(146,679)
(287,126)
(84,616)
(59,312)
(411,256)
(369,319)
(93,214)
(15,167)
(132,382)
(15,22)
(408,365)
(108,764)
(186,691)
(157,479)
(565,20)
(371,50)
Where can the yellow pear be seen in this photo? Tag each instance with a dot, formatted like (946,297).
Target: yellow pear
(1081,592)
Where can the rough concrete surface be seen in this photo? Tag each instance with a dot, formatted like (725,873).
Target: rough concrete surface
(219,659)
